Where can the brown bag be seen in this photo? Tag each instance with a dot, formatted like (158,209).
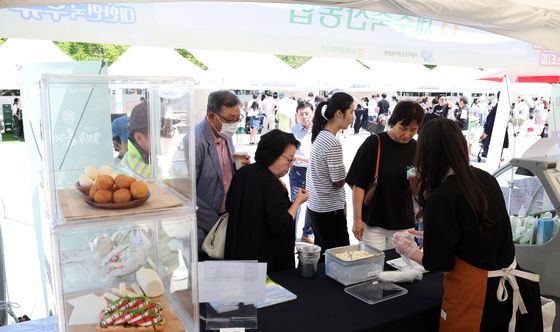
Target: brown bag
(370,192)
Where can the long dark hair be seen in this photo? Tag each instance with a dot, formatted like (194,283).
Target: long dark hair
(339,101)
(442,147)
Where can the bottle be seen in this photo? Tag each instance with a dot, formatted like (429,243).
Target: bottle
(545,228)
(515,224)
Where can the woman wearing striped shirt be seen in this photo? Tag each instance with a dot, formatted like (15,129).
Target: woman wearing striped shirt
(326,172)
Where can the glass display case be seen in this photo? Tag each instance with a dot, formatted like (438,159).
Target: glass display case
(119,195)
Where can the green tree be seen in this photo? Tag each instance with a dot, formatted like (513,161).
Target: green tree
(293,60)
(89,51)
(187,55)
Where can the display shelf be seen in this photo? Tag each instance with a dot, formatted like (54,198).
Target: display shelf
(95,250)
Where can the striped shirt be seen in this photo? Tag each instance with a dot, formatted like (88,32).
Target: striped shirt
(325,168)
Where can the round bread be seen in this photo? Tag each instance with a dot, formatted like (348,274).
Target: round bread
(92,191)
(104,170)
(85,181)
(124,181)
(91,172)
(103,196)
(105,182)
(139,189)
(122,195)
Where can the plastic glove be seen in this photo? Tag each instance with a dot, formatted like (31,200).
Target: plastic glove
(405,244)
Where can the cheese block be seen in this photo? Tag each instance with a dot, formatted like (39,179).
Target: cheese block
(149,282)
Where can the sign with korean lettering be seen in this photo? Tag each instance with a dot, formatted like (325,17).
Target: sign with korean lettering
(80,123)
(274,28)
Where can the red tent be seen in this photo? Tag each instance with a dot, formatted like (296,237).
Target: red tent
(540,75)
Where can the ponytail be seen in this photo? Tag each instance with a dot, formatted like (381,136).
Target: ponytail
(326,110)
(319,121)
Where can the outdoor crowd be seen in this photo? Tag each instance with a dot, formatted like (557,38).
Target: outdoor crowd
(396,181)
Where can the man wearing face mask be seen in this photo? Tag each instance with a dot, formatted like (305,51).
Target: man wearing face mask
(214,159)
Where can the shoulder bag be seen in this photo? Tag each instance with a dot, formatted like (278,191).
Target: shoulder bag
(215,242)
(370,192)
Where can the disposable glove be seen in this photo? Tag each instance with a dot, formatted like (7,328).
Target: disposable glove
(405,244)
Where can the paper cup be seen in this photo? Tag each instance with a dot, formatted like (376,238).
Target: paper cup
(239,157)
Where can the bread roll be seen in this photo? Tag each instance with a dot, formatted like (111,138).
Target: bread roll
(105,170)
(124,181)
(92,191)
(91,172)
(105,182)
(122,195)
(85,181)
(103,196)
(139,189)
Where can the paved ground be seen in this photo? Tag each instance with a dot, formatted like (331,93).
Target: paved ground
(18,230)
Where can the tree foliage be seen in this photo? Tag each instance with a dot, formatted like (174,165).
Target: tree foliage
(89,51)
(110,53)
(293,60)
(187,55)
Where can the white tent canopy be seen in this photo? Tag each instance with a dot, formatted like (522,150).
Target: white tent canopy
(332,73)
(17,52)
(534,21)
(244,70)
(154,61)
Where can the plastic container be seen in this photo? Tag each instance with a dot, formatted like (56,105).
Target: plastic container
(349,272)
(308,256)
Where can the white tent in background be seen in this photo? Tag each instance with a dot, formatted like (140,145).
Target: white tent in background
(242,70)
(17,52)
(334,73)
(397,76)
(154,61)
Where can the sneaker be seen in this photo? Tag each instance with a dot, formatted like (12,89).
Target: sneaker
(308,239)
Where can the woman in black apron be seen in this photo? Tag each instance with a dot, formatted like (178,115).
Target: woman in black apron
(467,235)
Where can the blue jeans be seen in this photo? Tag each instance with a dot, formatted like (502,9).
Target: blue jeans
(297,181)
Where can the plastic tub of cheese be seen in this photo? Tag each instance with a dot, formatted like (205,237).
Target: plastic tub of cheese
(353,264)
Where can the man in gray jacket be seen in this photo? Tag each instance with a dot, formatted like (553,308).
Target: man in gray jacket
(214,159)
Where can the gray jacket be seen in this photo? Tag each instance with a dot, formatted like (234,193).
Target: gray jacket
(209,180)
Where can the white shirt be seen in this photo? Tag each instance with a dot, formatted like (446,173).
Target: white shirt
(268,106)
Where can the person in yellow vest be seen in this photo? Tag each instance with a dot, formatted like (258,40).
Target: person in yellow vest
(137,159)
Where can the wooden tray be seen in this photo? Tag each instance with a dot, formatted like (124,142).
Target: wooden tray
(117,206)
(172,322)
(73,206)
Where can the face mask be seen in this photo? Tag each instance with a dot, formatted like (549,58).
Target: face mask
(228,129)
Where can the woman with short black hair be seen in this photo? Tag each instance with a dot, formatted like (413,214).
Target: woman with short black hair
(261,217)
(391,208)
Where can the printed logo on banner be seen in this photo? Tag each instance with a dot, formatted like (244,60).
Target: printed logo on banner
(105,13)
(357,19)
(550,59)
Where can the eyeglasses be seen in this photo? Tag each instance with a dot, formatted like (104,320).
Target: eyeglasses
(290,160)
(224,120)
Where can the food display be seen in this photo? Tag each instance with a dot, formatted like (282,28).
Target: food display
(104,187)
(354,263)
(354,255)
(138,313)
(123,253)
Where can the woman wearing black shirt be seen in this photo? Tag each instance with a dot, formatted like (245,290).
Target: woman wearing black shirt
(467,235)
(391,209)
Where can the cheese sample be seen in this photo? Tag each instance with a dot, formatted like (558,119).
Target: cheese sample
(149,282)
